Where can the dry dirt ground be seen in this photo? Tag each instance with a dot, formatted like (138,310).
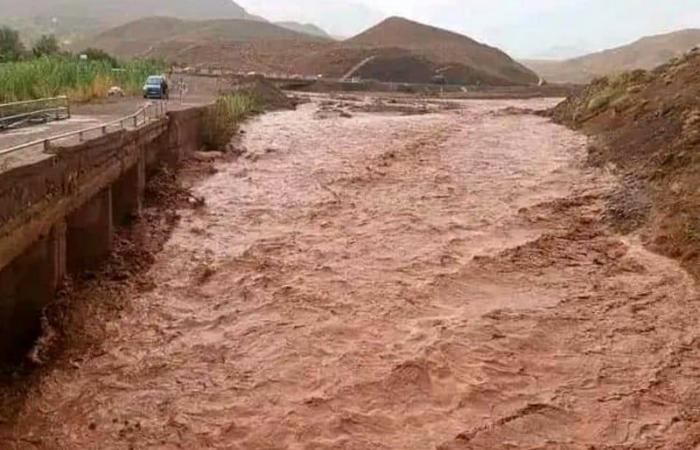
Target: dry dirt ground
(384,281)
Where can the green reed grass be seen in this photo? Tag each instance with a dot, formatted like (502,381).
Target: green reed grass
(51,76)
(223,117)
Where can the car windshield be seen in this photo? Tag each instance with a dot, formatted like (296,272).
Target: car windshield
(154,80)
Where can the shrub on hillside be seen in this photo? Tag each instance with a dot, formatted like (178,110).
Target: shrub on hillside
(613,90)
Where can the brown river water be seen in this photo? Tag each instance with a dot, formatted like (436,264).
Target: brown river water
(439,281)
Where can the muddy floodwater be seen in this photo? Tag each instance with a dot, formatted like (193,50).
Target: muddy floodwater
(386,281)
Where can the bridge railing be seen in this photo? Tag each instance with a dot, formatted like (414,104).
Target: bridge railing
(12,114)
(142,116)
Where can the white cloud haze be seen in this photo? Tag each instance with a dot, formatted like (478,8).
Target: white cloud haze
(522,27)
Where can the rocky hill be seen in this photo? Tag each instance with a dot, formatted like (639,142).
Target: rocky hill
(646,126)
(424,53)
(646,53)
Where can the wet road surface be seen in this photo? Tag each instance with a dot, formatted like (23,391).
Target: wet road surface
(438,281)
(201,91)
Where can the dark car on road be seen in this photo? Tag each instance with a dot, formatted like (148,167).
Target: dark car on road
(156,87)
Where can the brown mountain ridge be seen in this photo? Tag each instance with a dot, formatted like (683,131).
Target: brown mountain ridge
(456,54)
(396,50)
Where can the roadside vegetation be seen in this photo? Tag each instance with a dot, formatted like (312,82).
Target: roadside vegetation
(223,118)
(46,71)
(50,76)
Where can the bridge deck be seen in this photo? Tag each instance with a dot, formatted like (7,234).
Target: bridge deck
(84,116)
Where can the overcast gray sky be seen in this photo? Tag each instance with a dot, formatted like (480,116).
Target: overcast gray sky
(525,28)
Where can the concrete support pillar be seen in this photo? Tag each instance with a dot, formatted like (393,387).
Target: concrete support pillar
(26,287)
(90,231)
(128,192)
(172,152)
(57,257)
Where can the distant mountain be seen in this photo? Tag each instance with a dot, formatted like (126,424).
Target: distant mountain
(646,53)
(307,28)
(401,50)
(561,52)
(145,36)
(123,10)
(74,18)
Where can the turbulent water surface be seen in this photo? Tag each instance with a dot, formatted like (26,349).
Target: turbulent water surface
(390,282)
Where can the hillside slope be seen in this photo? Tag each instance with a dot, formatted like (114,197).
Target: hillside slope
(147,35)
(647,125)
(646,53)
(271,56)
(424,52)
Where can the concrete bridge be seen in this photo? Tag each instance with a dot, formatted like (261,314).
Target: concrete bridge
(58,212)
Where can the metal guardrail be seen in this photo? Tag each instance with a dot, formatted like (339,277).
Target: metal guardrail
(217,72)
(17,114)
(18,120)
(15,108)
(141,117)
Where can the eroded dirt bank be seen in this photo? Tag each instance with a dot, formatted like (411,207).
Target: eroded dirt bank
(438,281)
